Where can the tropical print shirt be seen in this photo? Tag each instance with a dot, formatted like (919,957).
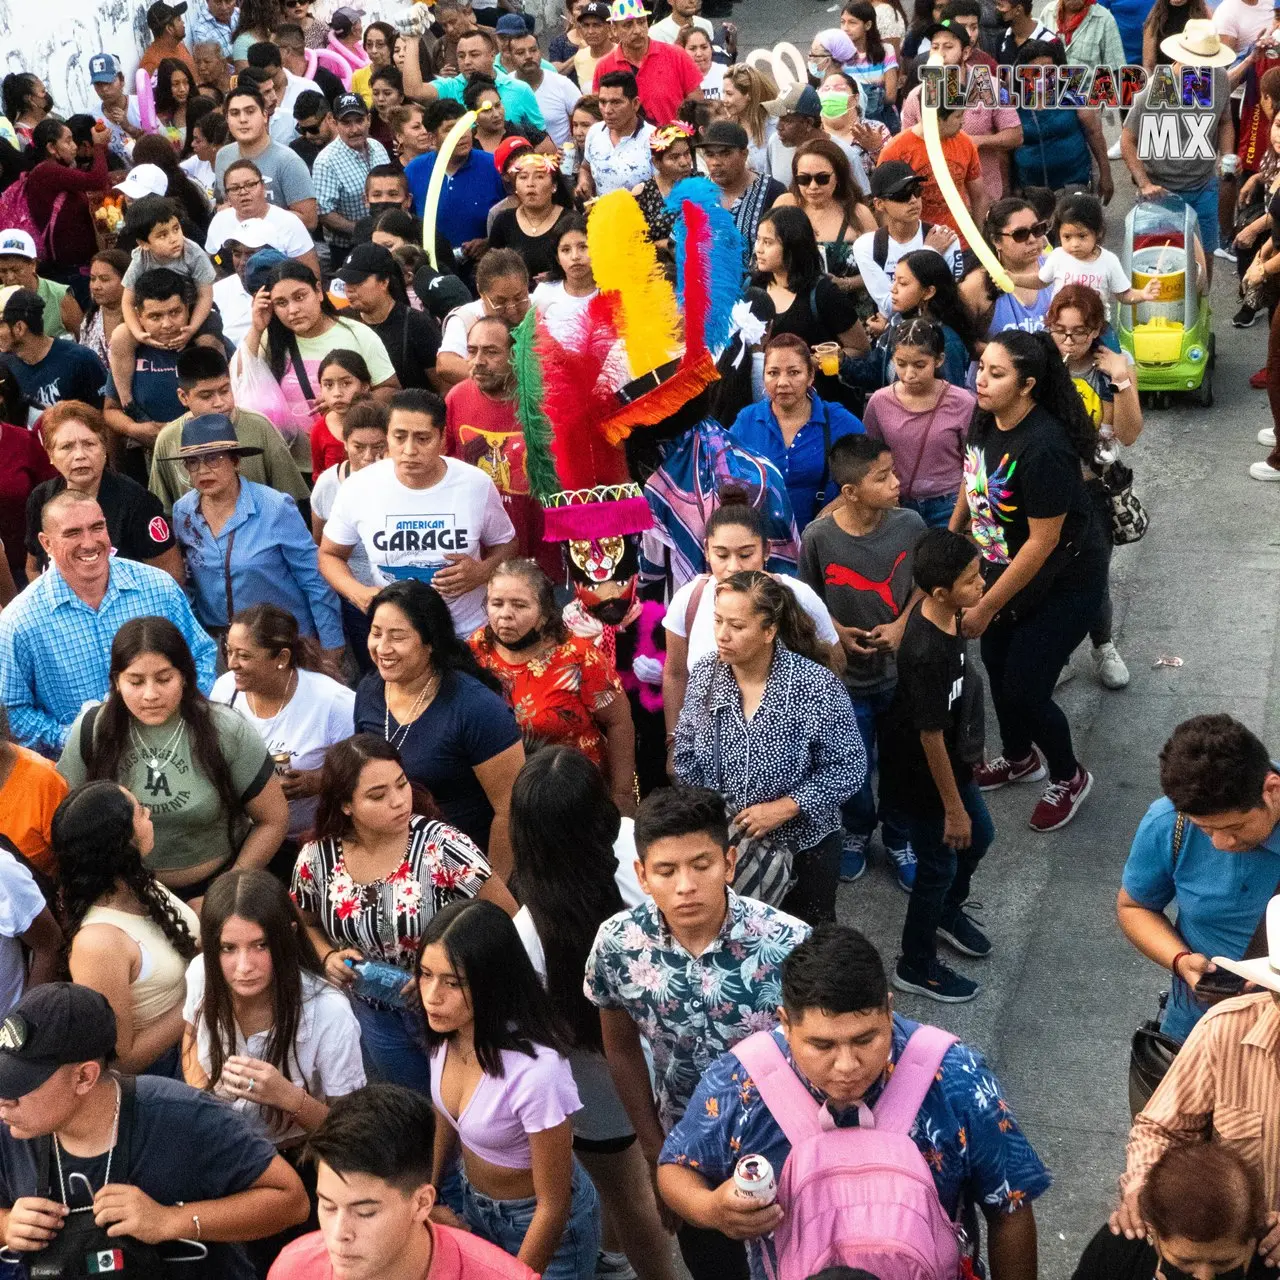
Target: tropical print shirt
(964,1129)
(692,1008)
(384,919)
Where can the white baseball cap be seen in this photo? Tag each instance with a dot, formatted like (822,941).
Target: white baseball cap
(144,180)
(253,233)
(17,244)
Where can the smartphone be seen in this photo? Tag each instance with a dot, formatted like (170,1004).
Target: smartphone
(1220,983)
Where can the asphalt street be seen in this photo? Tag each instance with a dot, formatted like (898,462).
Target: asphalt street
(1063,990)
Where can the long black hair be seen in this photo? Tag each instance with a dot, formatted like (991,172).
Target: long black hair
(166,103)
(282,340)
(511,1008)
(17,88)
(1036,355)
(800,256)
(569,888)
(111,728)
(429,616)
(92,838)
(258,897)
(932,270)
(156,149)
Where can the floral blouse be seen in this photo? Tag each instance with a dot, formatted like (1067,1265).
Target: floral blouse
(556,697)
(384,919)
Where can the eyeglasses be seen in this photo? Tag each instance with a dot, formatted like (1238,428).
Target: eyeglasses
(1020,235)
(204,460)
(1071,335)
(241,188)
(307,131)
(817,179)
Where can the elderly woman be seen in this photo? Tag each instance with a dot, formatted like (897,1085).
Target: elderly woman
(773,730)
(245,543)
(563,689)
(672,150)
(78,443)
(542,198)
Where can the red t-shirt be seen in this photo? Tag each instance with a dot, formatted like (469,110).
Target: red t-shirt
(962,159)
(326,448)
(23,465)
(666,76)
(455,1255)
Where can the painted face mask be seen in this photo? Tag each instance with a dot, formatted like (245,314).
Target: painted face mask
(604,575)
(834,104)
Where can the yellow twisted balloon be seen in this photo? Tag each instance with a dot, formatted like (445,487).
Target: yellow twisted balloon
(951,194)
(431,206)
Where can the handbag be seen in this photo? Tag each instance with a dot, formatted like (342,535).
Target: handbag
(1129,519)
(763,868)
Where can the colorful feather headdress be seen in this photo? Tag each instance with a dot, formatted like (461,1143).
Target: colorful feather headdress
(641,351)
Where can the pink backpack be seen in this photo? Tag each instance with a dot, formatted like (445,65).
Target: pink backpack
(15,214)
(858,1197)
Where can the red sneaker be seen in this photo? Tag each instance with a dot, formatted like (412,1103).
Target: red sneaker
(1258,381)
(1060,801)
(994,774)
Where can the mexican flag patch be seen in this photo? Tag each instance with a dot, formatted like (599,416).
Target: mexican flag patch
(98,1264)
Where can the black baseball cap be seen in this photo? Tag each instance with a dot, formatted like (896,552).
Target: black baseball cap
(52,1026)
(161,14)
(22,305)
(895,180)
(349,104)
(951,28)
(600,11)
(440,292)
(368,260)
(724,133)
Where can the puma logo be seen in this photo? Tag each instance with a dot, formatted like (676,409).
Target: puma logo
(839,575)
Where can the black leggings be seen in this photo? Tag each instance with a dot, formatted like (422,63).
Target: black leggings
(1023,660)
(813,896)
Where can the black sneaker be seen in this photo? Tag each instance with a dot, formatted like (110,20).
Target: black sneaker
(1245,317)
(959,931)
(939,982)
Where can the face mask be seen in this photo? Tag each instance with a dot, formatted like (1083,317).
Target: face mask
(814,69)
(834,104)
(526,641)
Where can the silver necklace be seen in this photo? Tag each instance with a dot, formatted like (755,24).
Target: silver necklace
(290,687)
(106,1177)
(152,755)
(397,739)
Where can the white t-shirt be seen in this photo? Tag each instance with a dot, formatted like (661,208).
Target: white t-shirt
(879,280)
(323,497)
(1244,23)
(557,95)
(457,324)
(703,639)
(20,903)
(408,532)
(326,1061)
(200,171)
(1104,274)
(560,311)
(235,306)
(288,232)
(320,713)
(713,82)
(667,29)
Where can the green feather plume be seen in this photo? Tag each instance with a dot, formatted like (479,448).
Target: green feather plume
(540,466)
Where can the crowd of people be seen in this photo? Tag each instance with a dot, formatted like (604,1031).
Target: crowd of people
(496,504)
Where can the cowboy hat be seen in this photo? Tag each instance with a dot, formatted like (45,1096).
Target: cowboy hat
(1198,45)
(1264,972)
(210,433)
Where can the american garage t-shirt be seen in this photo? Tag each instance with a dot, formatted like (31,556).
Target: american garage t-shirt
(409,533)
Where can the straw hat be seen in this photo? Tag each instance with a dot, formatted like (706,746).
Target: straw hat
(1198,45)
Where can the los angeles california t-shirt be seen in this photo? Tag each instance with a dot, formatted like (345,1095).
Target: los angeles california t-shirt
(407,533)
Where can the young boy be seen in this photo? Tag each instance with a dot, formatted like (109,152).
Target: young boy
(924,778)
(152,222)
(859,563)
(694,971)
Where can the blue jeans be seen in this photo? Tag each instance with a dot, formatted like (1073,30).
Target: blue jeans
(859,811)
(393,1048)
(505,1223)
(942,874)
(1204,200)
(935,512)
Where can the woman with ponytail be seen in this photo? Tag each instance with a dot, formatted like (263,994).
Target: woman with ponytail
(1043,559)
(773,730)
(130,938)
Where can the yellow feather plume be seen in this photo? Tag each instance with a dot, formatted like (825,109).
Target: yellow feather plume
(625,262)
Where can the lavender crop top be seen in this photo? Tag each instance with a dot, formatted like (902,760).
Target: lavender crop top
(533,1094)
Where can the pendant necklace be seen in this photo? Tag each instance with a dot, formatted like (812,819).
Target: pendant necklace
(152,755)
(419,705)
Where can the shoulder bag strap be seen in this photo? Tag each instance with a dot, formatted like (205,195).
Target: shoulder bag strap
(880,247)
(826,450)
(715,752)
(226,569)
(924,438)
(795,1110)
(912,1076)
(86,736)
(1179,835)
(695,599)
(300,370)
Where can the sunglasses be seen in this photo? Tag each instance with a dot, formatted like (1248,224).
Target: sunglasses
(906,193)
(309,130)
(816,179)
(1037,231)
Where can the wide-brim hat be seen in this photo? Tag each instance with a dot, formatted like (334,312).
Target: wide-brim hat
(210,433)
(1265,971)
(1198,45)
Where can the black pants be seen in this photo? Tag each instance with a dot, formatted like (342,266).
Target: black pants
(817,871)
(1023,659)
(712,1256)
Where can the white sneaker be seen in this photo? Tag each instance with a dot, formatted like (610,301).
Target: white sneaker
(1113,151)
(1267,436)
(1110,667)
(1260,471)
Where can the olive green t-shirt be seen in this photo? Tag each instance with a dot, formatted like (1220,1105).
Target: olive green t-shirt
(190,825)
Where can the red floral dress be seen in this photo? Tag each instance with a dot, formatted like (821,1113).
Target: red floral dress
(556,696)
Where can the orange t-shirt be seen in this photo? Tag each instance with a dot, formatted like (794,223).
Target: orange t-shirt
(30,794)
(962,159)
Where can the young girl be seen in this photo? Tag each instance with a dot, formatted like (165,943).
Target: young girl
(173,92)
(562,300)
(504,1092)
(1081,259)
(343,376)
(874,65)
(923,419)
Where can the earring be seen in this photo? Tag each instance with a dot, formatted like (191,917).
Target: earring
(279,666)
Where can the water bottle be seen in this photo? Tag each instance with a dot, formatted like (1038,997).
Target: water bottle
(569,159)
(378,981)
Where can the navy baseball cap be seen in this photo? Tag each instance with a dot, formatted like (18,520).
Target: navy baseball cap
(103,69)
(53,1025)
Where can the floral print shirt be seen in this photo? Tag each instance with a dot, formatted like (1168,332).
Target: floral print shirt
(692,1008)
(965,1130)
(384,919)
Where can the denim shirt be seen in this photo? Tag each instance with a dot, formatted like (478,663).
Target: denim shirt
(802,742)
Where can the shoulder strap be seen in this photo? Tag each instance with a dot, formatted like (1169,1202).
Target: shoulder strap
(880,247)
(826,451)
(86,735)
(914,1073)
(1179,835)
(695,599)
(790,1104)
(300,369)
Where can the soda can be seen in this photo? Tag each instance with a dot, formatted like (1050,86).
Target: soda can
(282,760)
(1230,164)
(753,1180)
